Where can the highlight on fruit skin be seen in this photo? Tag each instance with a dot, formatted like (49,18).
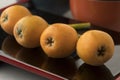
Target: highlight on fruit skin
(11,15)
(95,47)
(27,30)
(58,40)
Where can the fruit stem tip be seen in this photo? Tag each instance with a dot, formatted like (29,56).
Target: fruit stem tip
(81,25)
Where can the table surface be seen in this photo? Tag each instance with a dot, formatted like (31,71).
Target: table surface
(9,72)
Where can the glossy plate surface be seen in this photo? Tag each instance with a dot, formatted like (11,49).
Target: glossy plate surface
(34,60)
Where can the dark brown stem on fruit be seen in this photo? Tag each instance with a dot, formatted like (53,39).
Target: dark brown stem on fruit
(5,18)
(101,51)
(19,32)
(49,41)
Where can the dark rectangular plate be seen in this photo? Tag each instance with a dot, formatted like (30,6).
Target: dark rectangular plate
(73,68)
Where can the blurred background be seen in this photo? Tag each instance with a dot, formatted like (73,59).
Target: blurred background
(59,7)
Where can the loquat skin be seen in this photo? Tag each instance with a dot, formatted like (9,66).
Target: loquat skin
(11,15)
(27,31)
(58,40)
(95,47)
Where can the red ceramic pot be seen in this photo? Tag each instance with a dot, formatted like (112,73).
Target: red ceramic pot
(98,12)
